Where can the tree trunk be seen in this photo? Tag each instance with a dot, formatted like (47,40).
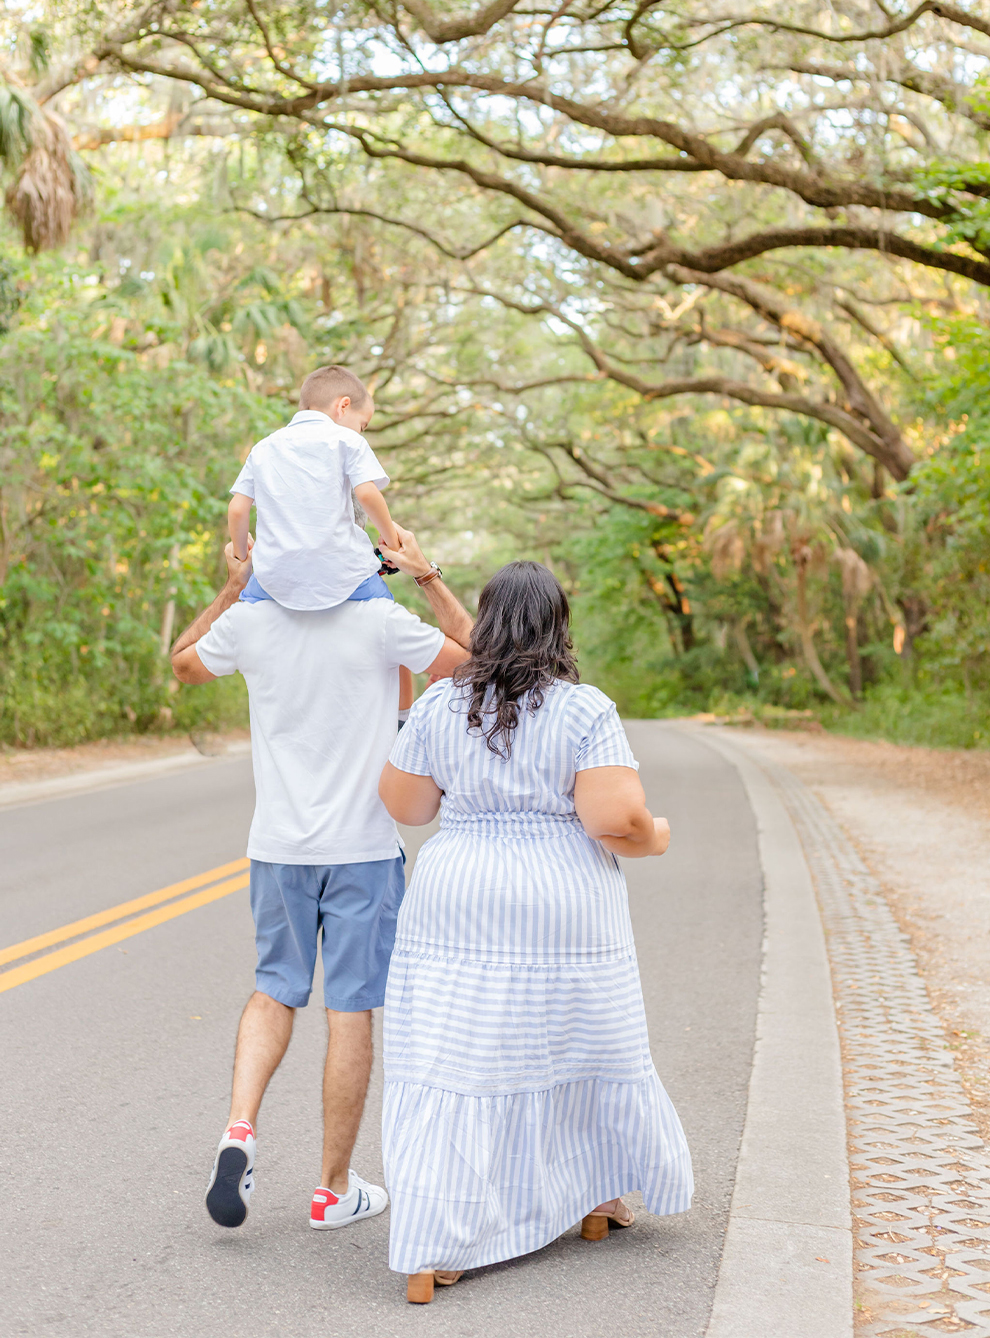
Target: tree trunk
(682,611)
(915,609)
(168,614)
(807,638)
(852,654)
(746,650)
(659,590)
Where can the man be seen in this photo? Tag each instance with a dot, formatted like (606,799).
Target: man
(323,692)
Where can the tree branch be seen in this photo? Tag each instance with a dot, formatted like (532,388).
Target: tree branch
(887,444)
(812,187)
(600,483)
(659,251)
(175,125)
(943,11)
(897,458)
(455,30)
(316,209)
(945,91)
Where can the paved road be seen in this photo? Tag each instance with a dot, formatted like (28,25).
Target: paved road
(114,1070)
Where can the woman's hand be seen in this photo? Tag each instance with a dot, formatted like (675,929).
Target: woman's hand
(662,828)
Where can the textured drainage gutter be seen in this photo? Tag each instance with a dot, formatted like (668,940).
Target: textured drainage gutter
(786,1268)
(920,1171)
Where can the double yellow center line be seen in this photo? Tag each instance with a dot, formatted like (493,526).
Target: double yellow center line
(125,921)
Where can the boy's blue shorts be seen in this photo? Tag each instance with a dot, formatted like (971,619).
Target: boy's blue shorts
(373,587)
(355,907)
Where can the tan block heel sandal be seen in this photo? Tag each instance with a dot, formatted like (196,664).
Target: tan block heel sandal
(595,1225)
(419,1288)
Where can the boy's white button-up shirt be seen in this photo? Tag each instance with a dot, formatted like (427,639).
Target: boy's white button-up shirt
(308,552)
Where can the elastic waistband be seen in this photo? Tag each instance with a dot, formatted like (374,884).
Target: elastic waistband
(512,824)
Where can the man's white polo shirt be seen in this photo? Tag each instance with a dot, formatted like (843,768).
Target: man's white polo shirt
(324,695)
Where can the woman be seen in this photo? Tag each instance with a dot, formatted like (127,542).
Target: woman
(520,1095)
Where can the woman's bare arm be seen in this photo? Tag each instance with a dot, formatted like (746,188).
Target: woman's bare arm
(412,800)
(612,807)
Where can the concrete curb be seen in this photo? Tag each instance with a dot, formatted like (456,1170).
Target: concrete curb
(786,1268)
(103,778)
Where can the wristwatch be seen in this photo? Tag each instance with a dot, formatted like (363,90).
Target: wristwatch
(429,576)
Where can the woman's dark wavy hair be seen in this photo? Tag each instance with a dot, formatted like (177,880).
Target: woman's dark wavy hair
(520,644)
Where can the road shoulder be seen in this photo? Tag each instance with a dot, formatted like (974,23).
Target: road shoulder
(101,776)
(786,1267)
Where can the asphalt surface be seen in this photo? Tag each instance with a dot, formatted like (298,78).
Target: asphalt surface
(114,1075)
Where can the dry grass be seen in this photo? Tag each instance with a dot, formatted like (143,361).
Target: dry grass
(18,765)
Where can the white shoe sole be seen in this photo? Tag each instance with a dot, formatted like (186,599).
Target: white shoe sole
(348,1221)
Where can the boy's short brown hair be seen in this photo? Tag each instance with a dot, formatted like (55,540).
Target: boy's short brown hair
(327,384)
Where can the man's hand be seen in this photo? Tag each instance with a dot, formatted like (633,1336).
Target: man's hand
(186,664)
(408,557)
(238,571)
(455,622)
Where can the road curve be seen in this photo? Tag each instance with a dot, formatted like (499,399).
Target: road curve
(115,1082)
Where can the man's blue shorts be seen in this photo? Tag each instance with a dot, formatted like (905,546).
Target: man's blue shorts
(355,905)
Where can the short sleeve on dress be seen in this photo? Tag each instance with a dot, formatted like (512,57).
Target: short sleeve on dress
(410,752)
(604,743)
(244,483)
(361,465)
(217,650)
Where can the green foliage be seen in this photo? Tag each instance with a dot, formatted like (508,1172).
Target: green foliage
(934,714)
(951,493)
(112,478)
(712,551)
(968,216)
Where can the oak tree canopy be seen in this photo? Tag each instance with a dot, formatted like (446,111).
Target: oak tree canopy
(698,188)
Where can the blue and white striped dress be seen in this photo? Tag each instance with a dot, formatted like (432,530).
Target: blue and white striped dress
(519,1087)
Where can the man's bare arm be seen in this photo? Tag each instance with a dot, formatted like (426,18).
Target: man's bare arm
(454,620)
(186,664)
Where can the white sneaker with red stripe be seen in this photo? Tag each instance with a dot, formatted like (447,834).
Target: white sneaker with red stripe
(232,1181)
(329,1210)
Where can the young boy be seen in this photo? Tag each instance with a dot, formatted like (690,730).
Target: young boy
(309,552)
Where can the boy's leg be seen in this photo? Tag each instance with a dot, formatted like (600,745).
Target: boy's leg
(372,587)
(407,688)
(262,1040)
(252,592)
(345,1085)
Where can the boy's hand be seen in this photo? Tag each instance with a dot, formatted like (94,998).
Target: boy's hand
(408,557)
(238,569)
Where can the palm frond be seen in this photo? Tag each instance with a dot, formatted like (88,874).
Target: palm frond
(17,113)
(49,191)
(39,51)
